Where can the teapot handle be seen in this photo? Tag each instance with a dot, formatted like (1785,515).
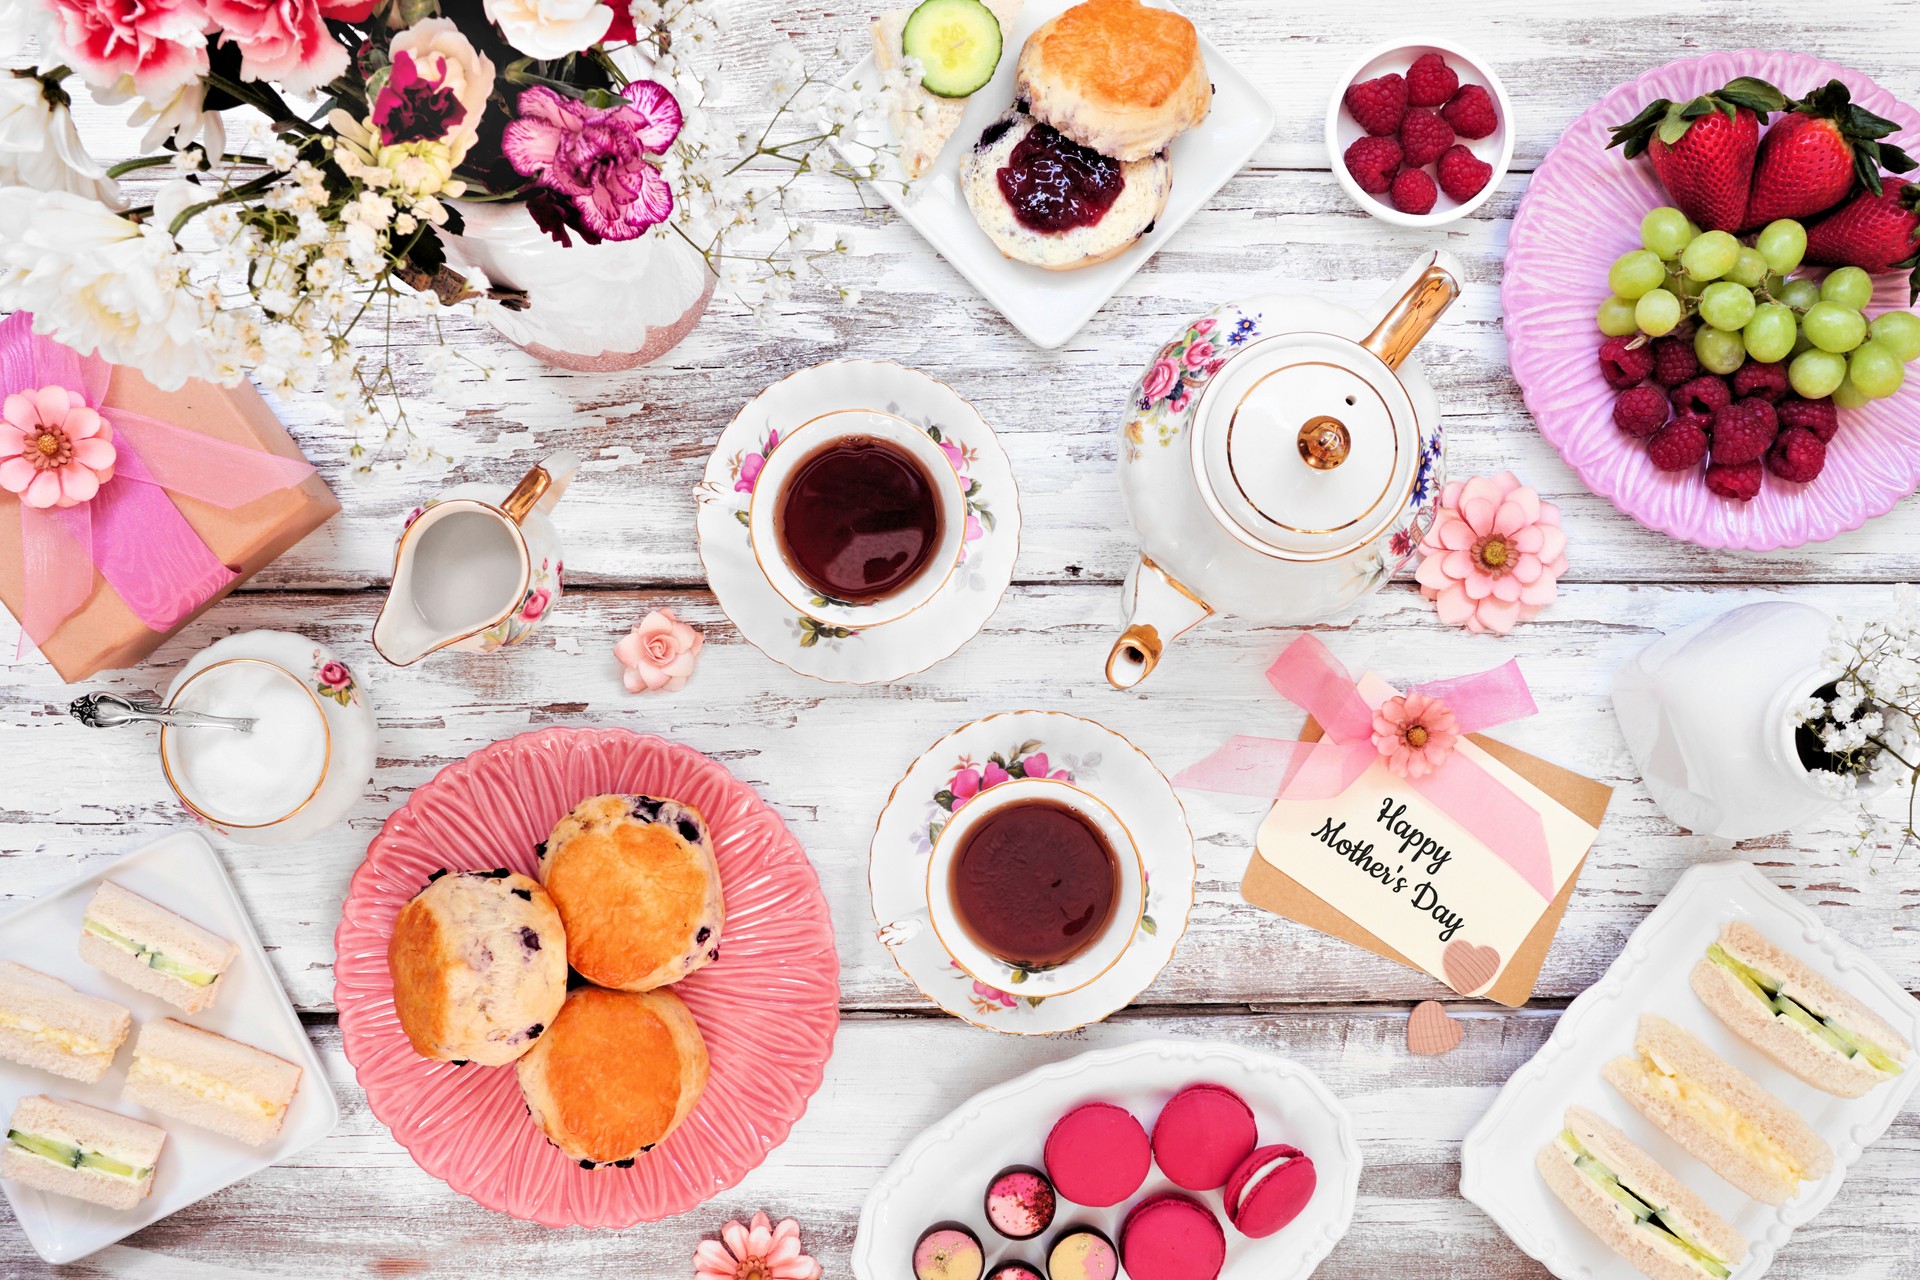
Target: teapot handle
(540,489)
(1434,285)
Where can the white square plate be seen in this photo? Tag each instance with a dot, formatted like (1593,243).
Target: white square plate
(181,873)
(1650,976)
(1050,306)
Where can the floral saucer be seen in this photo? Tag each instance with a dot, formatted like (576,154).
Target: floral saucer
(1031,744)
(891,650)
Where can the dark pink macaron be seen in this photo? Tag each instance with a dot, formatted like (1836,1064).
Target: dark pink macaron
(1172,1237)
(1202,1135)
(1269,1190)
(1098,1155)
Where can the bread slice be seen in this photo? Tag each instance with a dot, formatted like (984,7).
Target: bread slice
(923,122)
(1804,1051)
(1719,1114)
(1130,216)
(95,1137)
(206,1079)
(47,1025)
(145,946)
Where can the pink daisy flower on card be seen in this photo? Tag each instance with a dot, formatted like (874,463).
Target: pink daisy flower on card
(1416,734)
(760,1251)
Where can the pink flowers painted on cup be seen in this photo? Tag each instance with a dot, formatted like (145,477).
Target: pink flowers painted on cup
(535,605)
(1494,554)
(1414,734)
(54,450)
(659,653)
(755,1251)
(597,157)
(747,473)
(1159,380)
(987,1000)
(969,779)
(333,679)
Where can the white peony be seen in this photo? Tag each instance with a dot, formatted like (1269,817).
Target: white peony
(547,29)
(40,148)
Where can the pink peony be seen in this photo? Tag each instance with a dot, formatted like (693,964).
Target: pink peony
(161,44)
(280,40)
(1494,554)
(1160,379)
(760,1251)
(54,450)
(659,653)
(1415,734)
(597,157)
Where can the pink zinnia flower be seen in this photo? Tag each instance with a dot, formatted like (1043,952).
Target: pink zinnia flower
(1494,554)
(1415,734)
(761,1251)
(597,157)
(54,450)
(162,44)
(285,41)
(659,653)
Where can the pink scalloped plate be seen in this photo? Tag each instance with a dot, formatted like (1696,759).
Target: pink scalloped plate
(768,1008)
(1582,210)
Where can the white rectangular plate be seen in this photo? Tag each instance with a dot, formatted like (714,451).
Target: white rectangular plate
(942,1176)
(181,873)
(1050,306)
(1650,976)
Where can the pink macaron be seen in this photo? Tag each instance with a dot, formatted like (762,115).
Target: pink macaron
(1098,1155)
(1202,1135)
(1172,1237)
(1269,1190)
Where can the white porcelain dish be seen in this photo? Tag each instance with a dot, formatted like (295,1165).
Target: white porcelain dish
(1650,976)
(1050,306)
(181,873)
(1343,131)
(943,1174)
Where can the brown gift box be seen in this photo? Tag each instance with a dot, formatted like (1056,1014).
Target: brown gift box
(104,634)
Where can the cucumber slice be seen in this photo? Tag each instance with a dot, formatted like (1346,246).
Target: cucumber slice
(1794,1013)
(179,969)
(105,934)
(46,1148)
(957,43)
(1757,982)
(1710,1264)
(1857,1047)
(108,1165)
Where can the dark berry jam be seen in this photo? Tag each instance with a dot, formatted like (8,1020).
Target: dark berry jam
(1055,185)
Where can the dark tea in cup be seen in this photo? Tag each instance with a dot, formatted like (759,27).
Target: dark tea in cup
(858,519)
(1034,883)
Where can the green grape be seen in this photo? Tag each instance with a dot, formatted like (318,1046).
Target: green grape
(1720,350)
(1634,274)
(1849,396)
(1832,327)
(1665,231)
(1875,370)
(1898,330)
(1798,294)
(1657,312)
(1849,286)
(1616,318)
(1775,282)
(1816,373)
(1711,255)
(1726,305)
(1749,269)
(1684,286)
(1782,243)
(1770,334)
(1801,342)
(1693,230)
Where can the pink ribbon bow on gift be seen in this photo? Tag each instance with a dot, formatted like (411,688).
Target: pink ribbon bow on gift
(127,528)
(1307,674)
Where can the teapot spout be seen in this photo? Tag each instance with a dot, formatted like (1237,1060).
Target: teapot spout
(1159,610)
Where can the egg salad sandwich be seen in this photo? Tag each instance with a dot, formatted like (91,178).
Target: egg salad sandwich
(1718,1113)
(209,1080)
(74,1150)
(46,1024)
(1636,1208)
(1771,999)
(153,950)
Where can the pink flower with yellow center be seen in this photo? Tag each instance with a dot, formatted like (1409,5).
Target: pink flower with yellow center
(1494,554)
(54,450)
(1414,734)
(759,1251)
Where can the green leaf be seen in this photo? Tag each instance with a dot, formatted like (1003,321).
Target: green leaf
(986,518)
(741,516)
(944,798)
(808,639)
(1019,976)
(1034,1002)
(1673,128)
(1146,922)
(933,434)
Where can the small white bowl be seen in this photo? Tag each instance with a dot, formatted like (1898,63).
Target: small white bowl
(1343,130)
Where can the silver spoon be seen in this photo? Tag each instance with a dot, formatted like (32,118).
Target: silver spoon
(107,710)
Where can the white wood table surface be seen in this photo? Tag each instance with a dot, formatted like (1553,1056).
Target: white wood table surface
(826,755)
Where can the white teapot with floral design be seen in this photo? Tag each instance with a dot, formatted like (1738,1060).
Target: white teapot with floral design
(1280,459)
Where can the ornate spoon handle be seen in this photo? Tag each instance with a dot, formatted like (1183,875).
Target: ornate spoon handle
(108,710)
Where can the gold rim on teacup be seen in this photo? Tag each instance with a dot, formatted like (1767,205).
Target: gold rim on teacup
(179,789)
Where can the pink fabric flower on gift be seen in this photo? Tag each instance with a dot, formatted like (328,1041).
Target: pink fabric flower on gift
(659,654)
(1415,734)
(161,44)
(1494,554)
(760,1251)
(285,41)
(597,157)
(54,450)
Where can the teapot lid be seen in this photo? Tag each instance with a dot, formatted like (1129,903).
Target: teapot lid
(1305,445)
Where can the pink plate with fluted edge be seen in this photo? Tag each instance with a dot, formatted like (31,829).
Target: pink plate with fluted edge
(767,1008)
(1582,210)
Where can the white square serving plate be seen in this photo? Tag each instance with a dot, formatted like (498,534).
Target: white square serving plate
(182,873)
(1050,306)
(1651,976)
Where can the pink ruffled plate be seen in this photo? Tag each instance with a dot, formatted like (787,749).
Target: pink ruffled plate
(1582,210)
(767,1008)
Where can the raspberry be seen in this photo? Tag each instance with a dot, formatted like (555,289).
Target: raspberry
(1704,394)
(1681,445)
(1641,411)
(1768,381)
(1414,192)
(1624,365)
(1463,175)
(1674,361)
(1424,136)
(1373,162)
(1798,455)
(1743,430)
(1737,480)
(1430,81)
(1817,416)
(1471,112)
(1378,105)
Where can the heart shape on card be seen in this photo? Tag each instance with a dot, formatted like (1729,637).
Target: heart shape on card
(1468,968)
(1430,1031)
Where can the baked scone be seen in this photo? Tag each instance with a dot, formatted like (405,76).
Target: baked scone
(615,1074)
(638,889)
(1116,76)
(479,962)
(1026,202)
(923,121)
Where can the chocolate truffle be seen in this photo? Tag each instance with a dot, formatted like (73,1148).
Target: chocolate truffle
(1082,1253)
(1020,1203)
(948,1251)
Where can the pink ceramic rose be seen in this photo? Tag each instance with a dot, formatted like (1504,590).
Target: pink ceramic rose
(334,674)
(1160,379)
(1204,327)
(1494,554)
(659,654)
(285,41)
(161,44)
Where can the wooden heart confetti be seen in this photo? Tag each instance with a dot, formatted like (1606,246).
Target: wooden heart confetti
(1430,1031)
(1469,968)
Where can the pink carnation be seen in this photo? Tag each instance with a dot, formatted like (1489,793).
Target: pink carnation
(161,44)
(280,40)
(659,653)
(597,157)
(1494,554)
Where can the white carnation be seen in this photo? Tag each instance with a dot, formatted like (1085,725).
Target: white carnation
(547,29)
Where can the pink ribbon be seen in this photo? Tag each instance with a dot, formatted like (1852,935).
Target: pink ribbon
(1308,674)
(130,531)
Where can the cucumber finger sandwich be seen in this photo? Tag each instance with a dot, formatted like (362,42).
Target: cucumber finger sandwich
(71,1149)
(958,45)
(153,950)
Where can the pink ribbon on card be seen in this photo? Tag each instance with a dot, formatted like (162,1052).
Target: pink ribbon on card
(130,531)
(1308,674)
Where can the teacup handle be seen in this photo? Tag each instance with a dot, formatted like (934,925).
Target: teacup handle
(898,933)
(540,489)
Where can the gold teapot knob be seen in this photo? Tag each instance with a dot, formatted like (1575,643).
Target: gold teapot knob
(1325,442)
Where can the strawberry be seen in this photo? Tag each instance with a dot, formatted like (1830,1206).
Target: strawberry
(1703,150)
(1824,148)
(1875,232)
